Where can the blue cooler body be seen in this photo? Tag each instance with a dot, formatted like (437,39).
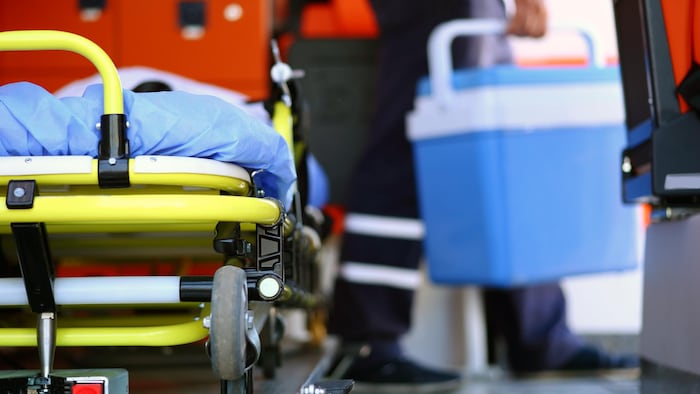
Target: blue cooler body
(518,176)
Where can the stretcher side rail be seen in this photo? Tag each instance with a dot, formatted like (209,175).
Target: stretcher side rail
(113,148)
(144,209)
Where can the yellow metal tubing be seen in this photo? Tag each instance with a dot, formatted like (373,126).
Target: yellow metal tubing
(282,121)
(131,320)
(146,209)
(135,241)
(163,335)
(87,227)
(32,40)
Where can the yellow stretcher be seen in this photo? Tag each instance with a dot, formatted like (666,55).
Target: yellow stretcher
(74,196)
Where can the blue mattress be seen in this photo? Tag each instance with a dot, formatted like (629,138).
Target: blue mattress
(33,122)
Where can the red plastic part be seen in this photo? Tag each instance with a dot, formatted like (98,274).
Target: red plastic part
(231,50)
(87,388)
(339,18)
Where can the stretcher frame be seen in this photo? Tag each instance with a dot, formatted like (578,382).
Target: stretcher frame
(118,193)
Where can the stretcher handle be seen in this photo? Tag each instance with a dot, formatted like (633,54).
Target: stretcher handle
(440,55)
(32,40)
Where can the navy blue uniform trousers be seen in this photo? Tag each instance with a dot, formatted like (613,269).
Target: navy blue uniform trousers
(375,286)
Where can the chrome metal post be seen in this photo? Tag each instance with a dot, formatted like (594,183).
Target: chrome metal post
(46,342)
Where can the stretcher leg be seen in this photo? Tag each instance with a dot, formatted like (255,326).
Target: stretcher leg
(38,274)
(46,341)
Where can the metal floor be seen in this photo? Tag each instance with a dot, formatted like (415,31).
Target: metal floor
(623,384)
(186,370)
(173,370)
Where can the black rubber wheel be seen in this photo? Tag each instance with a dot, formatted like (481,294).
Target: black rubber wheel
(227,332)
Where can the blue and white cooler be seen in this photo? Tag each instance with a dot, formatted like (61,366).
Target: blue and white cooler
(518,169)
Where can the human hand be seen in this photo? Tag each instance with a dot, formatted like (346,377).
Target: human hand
(529,19)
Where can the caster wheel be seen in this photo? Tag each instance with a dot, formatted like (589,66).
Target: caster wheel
(227,332)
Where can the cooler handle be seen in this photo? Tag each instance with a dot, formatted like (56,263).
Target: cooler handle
(440,56)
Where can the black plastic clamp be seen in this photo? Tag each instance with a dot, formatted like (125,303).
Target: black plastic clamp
(20,194)
(113,152)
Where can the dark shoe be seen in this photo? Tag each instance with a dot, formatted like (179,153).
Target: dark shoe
(400,376)
(590,358)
